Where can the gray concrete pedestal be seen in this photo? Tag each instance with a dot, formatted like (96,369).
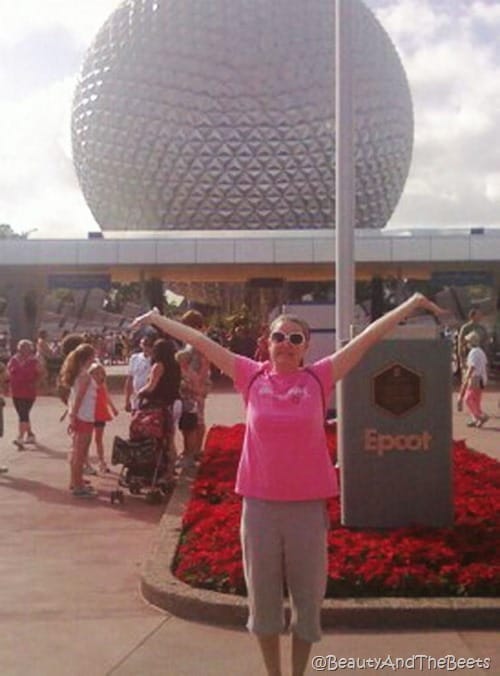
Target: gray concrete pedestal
(396,467)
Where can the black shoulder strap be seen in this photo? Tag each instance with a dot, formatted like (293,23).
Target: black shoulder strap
(311,373)
(258,373)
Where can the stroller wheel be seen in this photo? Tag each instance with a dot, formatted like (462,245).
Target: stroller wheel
(116,496)
(167,486)
(135,489)
(153,497)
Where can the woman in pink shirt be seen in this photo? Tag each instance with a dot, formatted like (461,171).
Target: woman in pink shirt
(24,374)
(285,474)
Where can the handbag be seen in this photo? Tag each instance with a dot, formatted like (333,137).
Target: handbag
(188,421)
(147,423)
(125,452)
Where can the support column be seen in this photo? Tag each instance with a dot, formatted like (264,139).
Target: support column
(24,291)
(344,199)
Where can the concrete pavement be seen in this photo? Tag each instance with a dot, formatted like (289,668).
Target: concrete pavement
(70,571)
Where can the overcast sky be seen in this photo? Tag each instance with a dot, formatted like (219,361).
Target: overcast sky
(449,48)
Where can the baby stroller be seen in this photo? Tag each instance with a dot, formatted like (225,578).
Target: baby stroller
(144,456)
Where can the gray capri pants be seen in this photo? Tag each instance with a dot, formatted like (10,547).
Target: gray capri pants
(285,541)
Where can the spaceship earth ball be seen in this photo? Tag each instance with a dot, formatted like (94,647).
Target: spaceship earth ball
(220,114)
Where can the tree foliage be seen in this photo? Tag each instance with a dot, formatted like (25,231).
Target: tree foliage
(7,232)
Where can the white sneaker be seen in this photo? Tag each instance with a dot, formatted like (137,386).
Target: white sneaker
(482,420)
(84,492)
(88,470)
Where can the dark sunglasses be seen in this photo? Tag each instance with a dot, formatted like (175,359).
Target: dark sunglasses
(295,338)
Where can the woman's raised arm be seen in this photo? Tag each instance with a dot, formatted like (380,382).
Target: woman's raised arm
(223,358)
(348,356)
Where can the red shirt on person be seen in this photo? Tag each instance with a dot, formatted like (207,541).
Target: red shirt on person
(23,377)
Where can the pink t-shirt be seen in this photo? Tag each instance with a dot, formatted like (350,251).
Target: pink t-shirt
(285,454)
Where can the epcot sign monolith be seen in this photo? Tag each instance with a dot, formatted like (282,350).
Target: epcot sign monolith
(397,468)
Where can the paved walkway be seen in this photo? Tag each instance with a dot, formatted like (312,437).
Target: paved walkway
(70,571)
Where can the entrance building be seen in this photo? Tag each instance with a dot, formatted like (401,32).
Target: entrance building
(269,266)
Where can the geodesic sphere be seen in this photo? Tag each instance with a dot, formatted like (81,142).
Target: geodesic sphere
(219,114)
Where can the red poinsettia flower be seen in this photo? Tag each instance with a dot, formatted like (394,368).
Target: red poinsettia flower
(416,561)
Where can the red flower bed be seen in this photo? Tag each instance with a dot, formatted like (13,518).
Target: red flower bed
(458,561)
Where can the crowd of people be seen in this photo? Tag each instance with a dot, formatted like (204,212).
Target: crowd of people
(38,368)
(175,373)
(111,347)
(162,372)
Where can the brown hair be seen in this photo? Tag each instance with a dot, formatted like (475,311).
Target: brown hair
(291,318)
(194,319)
(70,342)
(473,338)
(97,367)
(73,363)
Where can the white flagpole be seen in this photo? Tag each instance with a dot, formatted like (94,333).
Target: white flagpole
(344,191)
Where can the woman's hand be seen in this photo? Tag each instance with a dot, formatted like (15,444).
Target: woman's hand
(146,319)
(71,424)
(347,357)
(424,303)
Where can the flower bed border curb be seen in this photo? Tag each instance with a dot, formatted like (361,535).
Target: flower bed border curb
(162,589)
